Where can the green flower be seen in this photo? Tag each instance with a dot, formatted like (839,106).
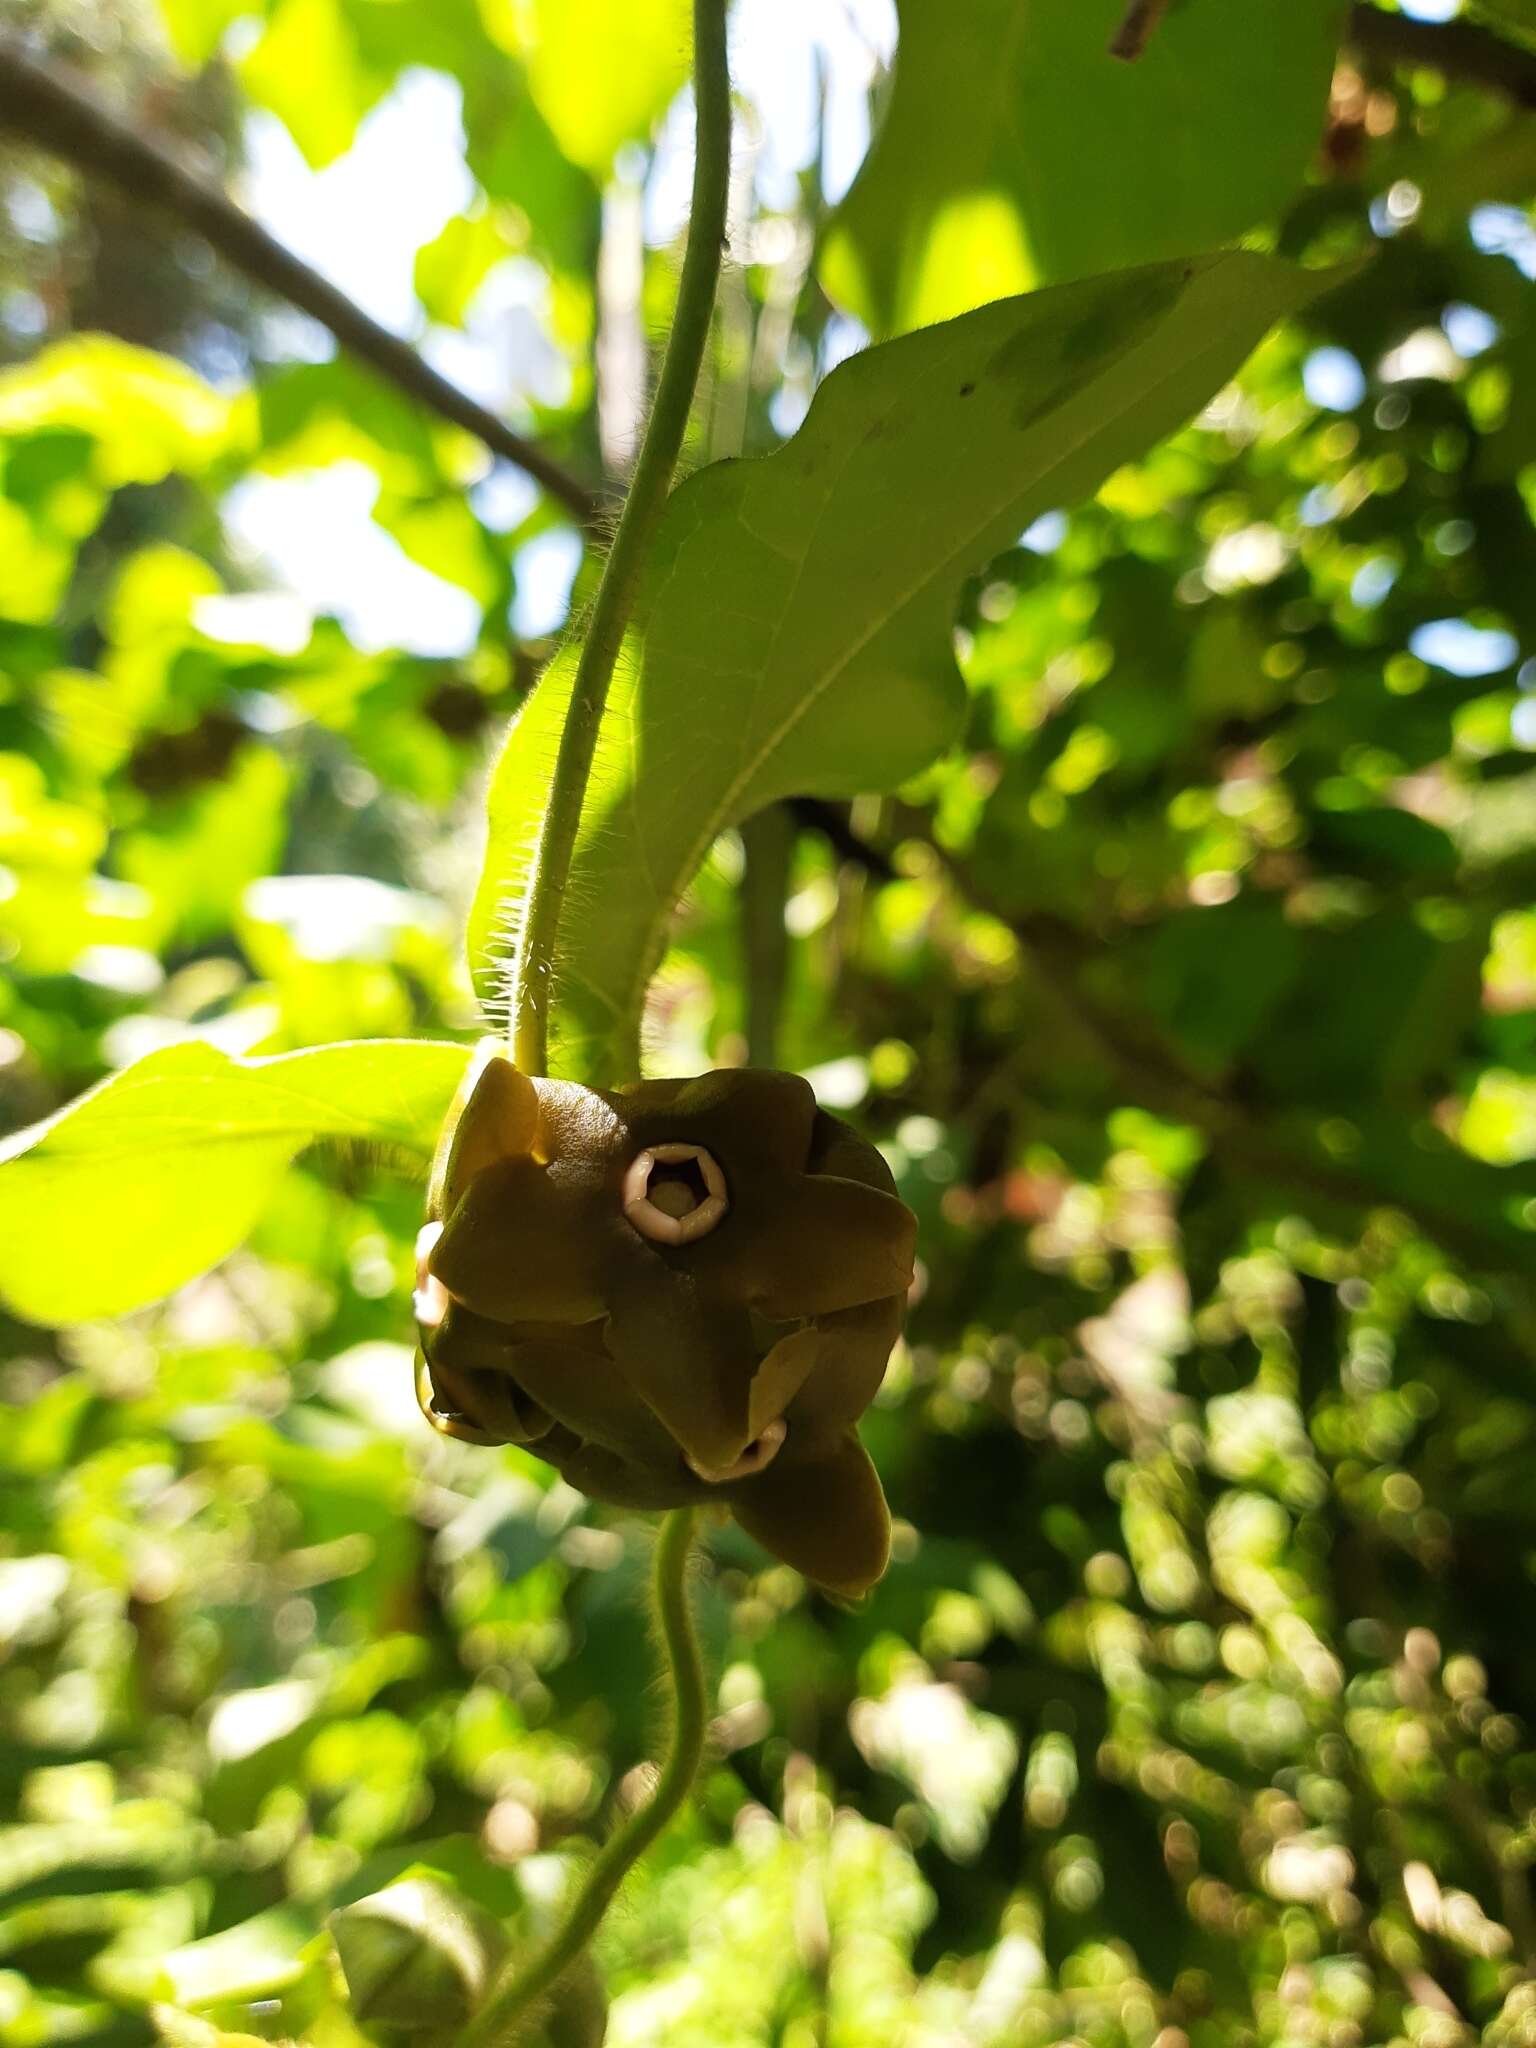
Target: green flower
(673,1291)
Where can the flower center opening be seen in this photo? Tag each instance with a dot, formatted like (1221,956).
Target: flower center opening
(677,1189)
(674,1193)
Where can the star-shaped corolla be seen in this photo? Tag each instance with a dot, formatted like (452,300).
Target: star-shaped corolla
(672,1291)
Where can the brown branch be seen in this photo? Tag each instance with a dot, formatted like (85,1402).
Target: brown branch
(1137,29)
(54,113)
(1461,49)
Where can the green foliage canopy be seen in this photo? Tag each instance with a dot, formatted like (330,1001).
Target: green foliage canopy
(1157,882)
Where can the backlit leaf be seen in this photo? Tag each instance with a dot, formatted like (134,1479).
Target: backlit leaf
(146,413)
(793,635)
(601,71)
(163,1169)
(308,70)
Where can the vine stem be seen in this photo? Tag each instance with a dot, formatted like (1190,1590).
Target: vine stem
(509,2001)
(508,2005)
(632,542)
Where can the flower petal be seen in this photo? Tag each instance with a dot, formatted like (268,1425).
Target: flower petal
(580,1385)
(748,1117)
(522,1246)
(583,1133)
(852,1349)
(779,1379)
(689,1358)
(837,1149)
(826,1517)
(808,1245)
(603,1475)
(463,1392)
(497,1119)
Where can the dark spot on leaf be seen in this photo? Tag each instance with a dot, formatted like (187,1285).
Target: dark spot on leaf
(966,390)
(1059,351)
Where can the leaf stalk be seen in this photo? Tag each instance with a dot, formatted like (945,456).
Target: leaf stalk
(534,971)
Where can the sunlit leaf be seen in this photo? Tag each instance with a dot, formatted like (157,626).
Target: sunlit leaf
(601,71)
(339,411)
(145,413)
(308,70)
(444,536)
(416,1953)
(35,567)
(1500,1123)
(451,268)
(794,633)
(163,1169)
(1017,151)
(255,1959)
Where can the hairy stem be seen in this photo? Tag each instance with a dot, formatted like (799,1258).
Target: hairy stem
(637,530)
(511,1998)
(53,112)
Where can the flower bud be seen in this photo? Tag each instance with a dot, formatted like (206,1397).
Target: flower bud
(416,1954)
(672,1291)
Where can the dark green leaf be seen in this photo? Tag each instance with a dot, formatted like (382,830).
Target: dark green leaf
(1017,151)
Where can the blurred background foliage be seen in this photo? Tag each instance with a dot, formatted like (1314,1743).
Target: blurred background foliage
(1194,1000)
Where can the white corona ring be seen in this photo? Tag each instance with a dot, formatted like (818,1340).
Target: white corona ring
(667,1202)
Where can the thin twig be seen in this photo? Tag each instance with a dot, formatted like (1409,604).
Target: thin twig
(57,114)
(1137,29)
(1460,49)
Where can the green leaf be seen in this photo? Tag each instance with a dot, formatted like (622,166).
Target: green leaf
(313,414)
(308,70)
(256,1959)
(1017,151)
(35,568)
(793,635)
(146,413)
(444,535)
(519,163)
(451,268)
(158,1173)
(601,72)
